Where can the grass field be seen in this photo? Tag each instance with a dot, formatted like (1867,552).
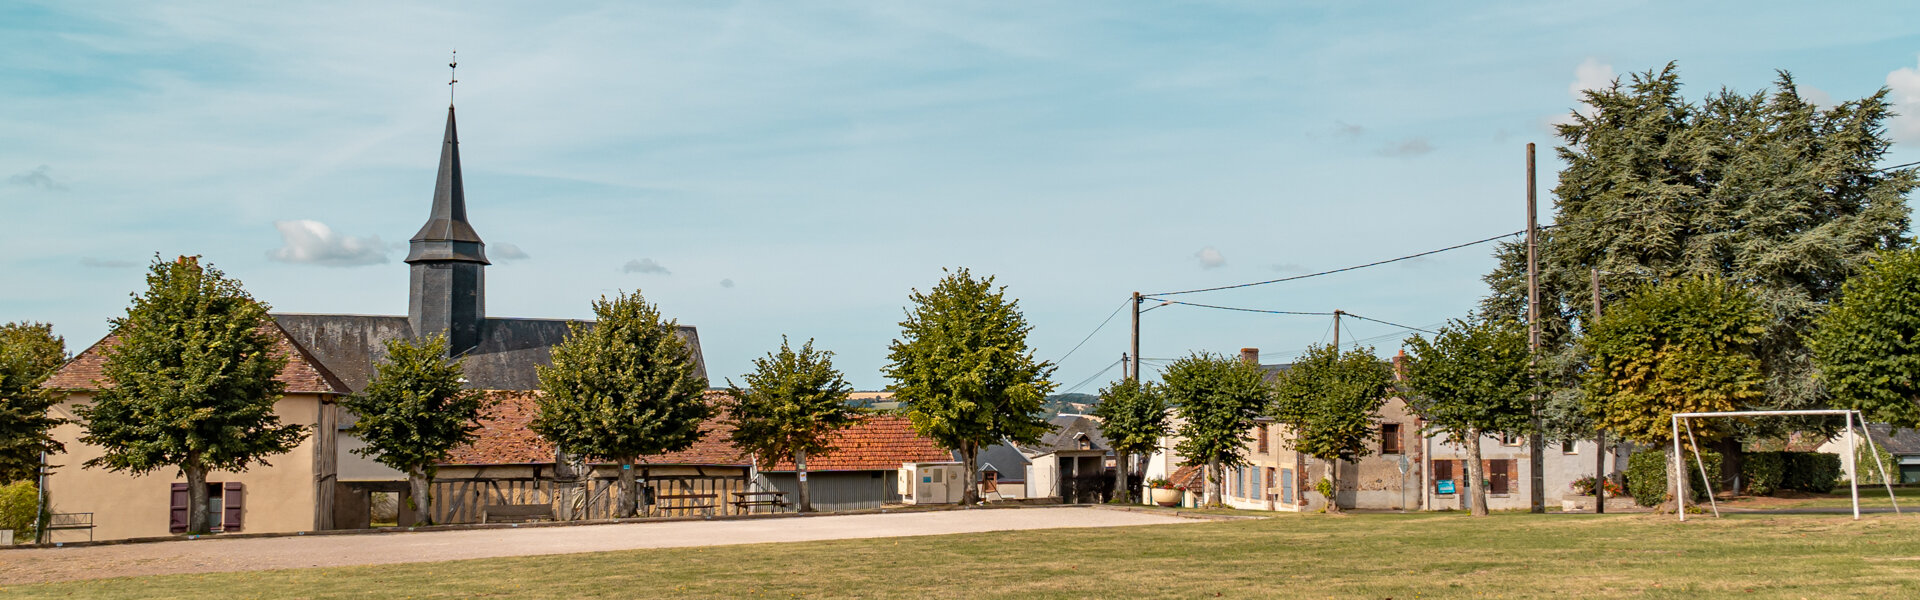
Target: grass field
(1300,556)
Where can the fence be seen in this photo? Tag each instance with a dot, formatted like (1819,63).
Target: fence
(465,500)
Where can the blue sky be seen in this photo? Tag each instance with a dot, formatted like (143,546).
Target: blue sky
(761,169)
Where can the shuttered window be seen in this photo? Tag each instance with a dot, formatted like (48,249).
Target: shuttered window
(177,509)
(1499,476)
(226,503)
(1263,438)
(1390,438)
(1442,471)
(235,506)
(1286,486)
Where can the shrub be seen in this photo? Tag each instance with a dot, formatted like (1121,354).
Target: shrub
(1764,472)
(17,503)
(1159,483)
(1647,476)
(1815,472)
(1871,472)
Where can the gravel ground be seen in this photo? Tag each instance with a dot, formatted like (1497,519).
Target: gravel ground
(218,555)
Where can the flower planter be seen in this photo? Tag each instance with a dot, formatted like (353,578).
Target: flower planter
(1166,496)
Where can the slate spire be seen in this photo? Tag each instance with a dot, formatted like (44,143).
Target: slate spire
(447,262)
(447,235)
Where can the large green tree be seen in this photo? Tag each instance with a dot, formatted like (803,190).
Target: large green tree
(190,383)
(793,406)
(1472,379)
(621,388)
(1868,345)
(1218,399)
(1330,400)
(414,411)
(1133,417)
(29,354)
(1687,345)
(1766,189)
(965,372)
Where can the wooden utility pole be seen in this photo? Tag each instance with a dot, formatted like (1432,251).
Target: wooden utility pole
(1135,373)
(1599,436)
(1336,332)
(1537,440)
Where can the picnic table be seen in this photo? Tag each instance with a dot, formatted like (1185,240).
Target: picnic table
(750,499)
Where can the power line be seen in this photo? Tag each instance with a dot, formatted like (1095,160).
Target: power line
(1096,330)
(1251,310)
(1083,383)
(1387,323)
(1885,169)
(1344,269)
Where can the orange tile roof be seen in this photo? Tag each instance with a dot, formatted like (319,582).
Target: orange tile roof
(303,374)
(1190,477)
(880,442)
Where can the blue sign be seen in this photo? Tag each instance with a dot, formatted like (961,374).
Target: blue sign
(926,479)
(1443,486)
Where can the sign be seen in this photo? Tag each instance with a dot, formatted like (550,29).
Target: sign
(1404,464)
(626,467)
(803,475)
(926,479)
(1443,486)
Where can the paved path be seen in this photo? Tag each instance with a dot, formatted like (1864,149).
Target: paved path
(218,555)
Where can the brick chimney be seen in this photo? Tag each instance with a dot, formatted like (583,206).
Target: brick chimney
(1400,365)
(1250,356)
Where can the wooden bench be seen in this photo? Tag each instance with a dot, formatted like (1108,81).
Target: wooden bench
(58,521)
(749,499)
(516,513)
(705,501)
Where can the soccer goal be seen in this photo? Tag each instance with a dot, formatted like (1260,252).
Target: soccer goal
(1685,420)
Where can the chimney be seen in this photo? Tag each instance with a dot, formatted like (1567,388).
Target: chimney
(1400,365)
(1250,356)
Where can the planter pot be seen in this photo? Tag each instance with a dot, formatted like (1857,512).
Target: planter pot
(1166,497)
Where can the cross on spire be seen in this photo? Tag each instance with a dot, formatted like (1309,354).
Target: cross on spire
(452,70)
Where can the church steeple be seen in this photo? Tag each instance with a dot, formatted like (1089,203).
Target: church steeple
(448,261)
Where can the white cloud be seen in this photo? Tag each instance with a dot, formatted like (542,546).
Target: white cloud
(37,177)
(506,253)
(1815,96)
(313,242)
(1591,74)
(726,283)
(1905,85)
(1407,148)
(1210,258)
(645,265)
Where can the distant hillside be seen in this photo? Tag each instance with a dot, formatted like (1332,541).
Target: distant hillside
(1073,404)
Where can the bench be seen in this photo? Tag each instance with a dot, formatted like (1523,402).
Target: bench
(748,499)
(58,521)
(516,513)
(705,501)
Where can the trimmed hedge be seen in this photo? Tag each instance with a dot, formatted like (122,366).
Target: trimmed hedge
(1647,476)
(1766,473)
(17,501)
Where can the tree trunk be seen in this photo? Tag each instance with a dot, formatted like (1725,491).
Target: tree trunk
(970,460)
(626,505)
(1120,478)
(800,471)
(197,521)
(1213,484)
(1676,478)
(1333,486)
(1476,474)
(422,487)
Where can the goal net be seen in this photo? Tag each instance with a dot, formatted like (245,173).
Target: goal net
(1684,421)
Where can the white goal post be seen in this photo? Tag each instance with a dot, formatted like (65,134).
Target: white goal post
(1852,469)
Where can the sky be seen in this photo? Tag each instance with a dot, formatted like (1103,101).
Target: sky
(770,169)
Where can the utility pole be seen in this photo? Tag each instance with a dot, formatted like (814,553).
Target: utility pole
(1537,441)
(1336,331)
(1135,373)
(1599,436)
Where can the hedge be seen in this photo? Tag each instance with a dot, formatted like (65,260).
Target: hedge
(1647,476)
(17,501)
(1769,472)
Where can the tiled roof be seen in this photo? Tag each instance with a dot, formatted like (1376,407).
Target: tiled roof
(302,374)
(1191,477)
(879,442)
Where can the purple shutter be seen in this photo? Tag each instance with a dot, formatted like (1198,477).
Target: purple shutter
(235,506)
(177,509)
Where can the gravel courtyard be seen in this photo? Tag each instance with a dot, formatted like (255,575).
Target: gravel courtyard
(220,555)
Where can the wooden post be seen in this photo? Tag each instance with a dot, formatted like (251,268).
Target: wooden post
(1135,373)
(1537,441)
(1599,437)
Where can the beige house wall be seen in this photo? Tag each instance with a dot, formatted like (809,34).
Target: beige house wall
(354,467)
(1372,482)
(279,497)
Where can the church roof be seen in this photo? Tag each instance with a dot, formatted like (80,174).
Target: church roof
(447,235)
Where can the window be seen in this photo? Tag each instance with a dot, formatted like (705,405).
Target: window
(1286,486)
(226,506)
(1508,439)
(1442,471)
(1390,438)
(1262,438)
(1567,447)
(1499,476)
(1266,491)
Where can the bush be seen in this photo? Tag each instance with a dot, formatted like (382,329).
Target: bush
(17,503)
(1647,476)
(1875,473)
(1764,472)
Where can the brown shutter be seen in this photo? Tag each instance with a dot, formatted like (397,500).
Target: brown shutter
(1499,476)
(235,506)
(177,509)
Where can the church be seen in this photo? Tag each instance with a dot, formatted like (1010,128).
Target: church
(322,484)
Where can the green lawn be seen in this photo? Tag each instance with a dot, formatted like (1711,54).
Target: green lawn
(1295,556)
(1870,497)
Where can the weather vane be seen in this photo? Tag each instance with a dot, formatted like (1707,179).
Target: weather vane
(452,78)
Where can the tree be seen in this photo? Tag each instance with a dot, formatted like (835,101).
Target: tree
(190,383)
(1133,417)
(1329,400)
(1687,345)
(793,406)
(1218,399)
(1470,380)
(1868,345)
(620,388)
(1766,189)
(29,354)
(414,411)
(963,368)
